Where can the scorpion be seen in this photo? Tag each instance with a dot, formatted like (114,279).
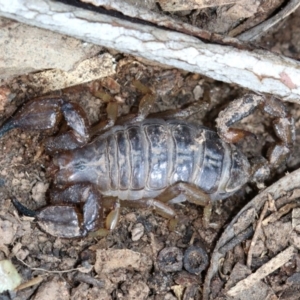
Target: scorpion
(143,162)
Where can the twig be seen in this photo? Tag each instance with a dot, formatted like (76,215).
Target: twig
(259,70)
(137,12)
(286,187)
(236,240)
(29,283)
(256,234)
(281,212)
(260,29)
(45,270)
(89,280)
(269,267)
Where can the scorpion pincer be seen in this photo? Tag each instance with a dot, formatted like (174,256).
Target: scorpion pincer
(143,162)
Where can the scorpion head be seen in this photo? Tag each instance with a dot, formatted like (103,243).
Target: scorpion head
(70,168)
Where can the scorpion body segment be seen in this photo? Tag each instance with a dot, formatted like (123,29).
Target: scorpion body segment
(141,160)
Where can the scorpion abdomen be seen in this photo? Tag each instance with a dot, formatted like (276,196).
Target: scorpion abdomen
(141,160)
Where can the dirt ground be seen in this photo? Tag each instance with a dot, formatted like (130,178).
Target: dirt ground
(143,258)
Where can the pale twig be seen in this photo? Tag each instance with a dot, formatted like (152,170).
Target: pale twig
(281,212)
(29,283)
(256,70)
(47,271)
(269,267)
(262,28)
(256,234)
(138,12)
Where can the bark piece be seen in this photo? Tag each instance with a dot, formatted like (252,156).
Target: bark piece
(26,49)
(88,70)
(52,290)
(110,260)
(258,291)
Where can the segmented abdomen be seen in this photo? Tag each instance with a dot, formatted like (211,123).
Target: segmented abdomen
(141,160)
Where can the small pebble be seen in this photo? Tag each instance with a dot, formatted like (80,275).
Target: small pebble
(137,231)
(198,92)
(39,191)
(195,259)
(131,217)
(170,259)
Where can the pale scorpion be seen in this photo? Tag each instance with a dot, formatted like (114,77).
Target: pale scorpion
(144,162)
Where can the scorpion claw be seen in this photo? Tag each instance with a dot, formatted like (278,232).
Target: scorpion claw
(57,220)
(46,114)
(61,221)
(283,124)
(68,220)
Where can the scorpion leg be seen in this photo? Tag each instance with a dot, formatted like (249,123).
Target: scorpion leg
(181,113)
(193,194)
(234,112)
(243,107)
(148,100)
(112,115)
(46,114)
(160,204)
(145,106)
(162,209)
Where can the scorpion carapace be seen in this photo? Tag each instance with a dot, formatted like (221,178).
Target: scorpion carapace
(141,162)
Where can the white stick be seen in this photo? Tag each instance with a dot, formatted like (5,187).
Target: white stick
(259,71)
(266,269)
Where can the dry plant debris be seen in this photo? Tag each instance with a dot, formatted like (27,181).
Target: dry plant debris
(272,249)
(125,264)
(9,276)
(52,290)
(256,234)
(260,29)
(229,61)
(269,267)
(111,260)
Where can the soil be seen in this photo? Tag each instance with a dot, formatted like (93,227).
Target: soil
(144,257)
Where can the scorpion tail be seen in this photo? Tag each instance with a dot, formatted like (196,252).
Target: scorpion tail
(7,126)
(22,209)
